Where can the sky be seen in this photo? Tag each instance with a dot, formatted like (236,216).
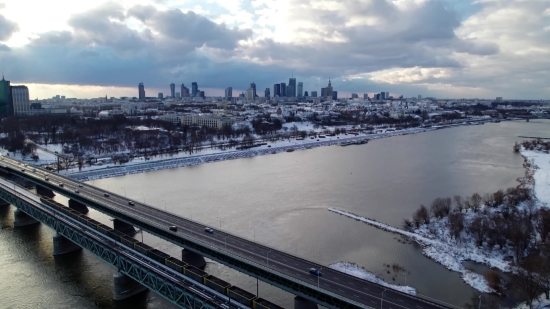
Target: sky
(433,48)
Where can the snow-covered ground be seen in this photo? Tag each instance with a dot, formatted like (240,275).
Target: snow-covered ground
(355,270)
(441,247)
(140,165)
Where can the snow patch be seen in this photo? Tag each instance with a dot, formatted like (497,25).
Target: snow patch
(356,271)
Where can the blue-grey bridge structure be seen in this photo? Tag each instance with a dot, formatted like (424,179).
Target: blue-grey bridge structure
(171,285)
(288,272)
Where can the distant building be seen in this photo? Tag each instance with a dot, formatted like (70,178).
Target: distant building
(20,100)
(314,94)
(5,98)
(161,96)
(300,90)
(334,95)
(365,96)
(178,96)
(253,86)
(292,84)
(387,95)
(382,95)
(172,90)
(184,91)
(267,93)
(354,96)
(327,91)
(201,94)
(499,99)
(289,91)
(305,94)
(283,90)
(277,90)
(228,93)
(419,97)
(250,94)
(141,90)
(194,89)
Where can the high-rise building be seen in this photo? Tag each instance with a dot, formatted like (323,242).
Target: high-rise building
(253,86)
(354,96)
(194,89)
(419,97)
(267,94)
(5,98)
(365,96)
(283,90)
(161,96)
(314,94)
(289,91)
(228,93)
(201,94)
(300,90)
(305,94)
(387,95)
(141,90)
(184,91)
(277,90)
(172,90)
(20,100)
(382,95)
(327,91)
(292,84)
(250,94)
(334,95)
(178,96)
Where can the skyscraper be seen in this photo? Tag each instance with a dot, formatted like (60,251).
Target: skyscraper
(194,89)
(5,97)
(228,93)
(250,94)
(327,91)
(253,86)
(283,90)
(141,90)
(305,94)
(20,100)
(334,95)
(314,94)
(289,91)
(161,96)
(184,91)
(267,94)
(387,95)
(300,90)
(277,90)
(382,95)
(172,90)
(292,83)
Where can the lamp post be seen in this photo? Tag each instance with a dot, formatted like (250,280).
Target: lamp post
(382,298)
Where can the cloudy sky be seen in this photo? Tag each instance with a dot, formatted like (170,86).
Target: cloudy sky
(441,48)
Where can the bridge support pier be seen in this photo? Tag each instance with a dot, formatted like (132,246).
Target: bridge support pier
(78,206)
(126,287)
(193,259)
(44,191)
(123,227)
(302,303)
(22,219)
(62,245)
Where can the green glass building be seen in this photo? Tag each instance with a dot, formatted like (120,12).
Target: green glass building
(5,98)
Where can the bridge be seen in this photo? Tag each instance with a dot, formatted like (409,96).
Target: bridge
(173,286)
(333,289)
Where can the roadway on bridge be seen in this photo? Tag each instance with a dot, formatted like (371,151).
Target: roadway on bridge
(359,290)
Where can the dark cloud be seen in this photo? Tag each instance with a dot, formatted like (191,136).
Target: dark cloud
(7,28)
(53,38)
(189,28)
(89,53)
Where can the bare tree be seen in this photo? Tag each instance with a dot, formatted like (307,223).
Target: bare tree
(476,201)
(498,197)
(527,282)
(421,216)
(478,228)
(456,224)
(542,223)
(459,204)
(441,207)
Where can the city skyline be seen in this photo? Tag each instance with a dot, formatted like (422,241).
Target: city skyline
(438,48)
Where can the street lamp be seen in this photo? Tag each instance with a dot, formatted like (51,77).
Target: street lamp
(382,298)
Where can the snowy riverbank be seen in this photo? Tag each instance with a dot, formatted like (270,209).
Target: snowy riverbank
(356,271)
(438,244)
(182,159)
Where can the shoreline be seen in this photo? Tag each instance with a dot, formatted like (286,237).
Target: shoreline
(192,160)
(442,249)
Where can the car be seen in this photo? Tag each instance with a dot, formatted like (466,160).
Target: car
(47,179)
(34,170)
(61,184)
(80,185)
(22,169)
(208,230)
(173,228)
(131,203)
(315,272)
(106,194)
(76,191)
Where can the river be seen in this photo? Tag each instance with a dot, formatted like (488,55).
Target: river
(281,200)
